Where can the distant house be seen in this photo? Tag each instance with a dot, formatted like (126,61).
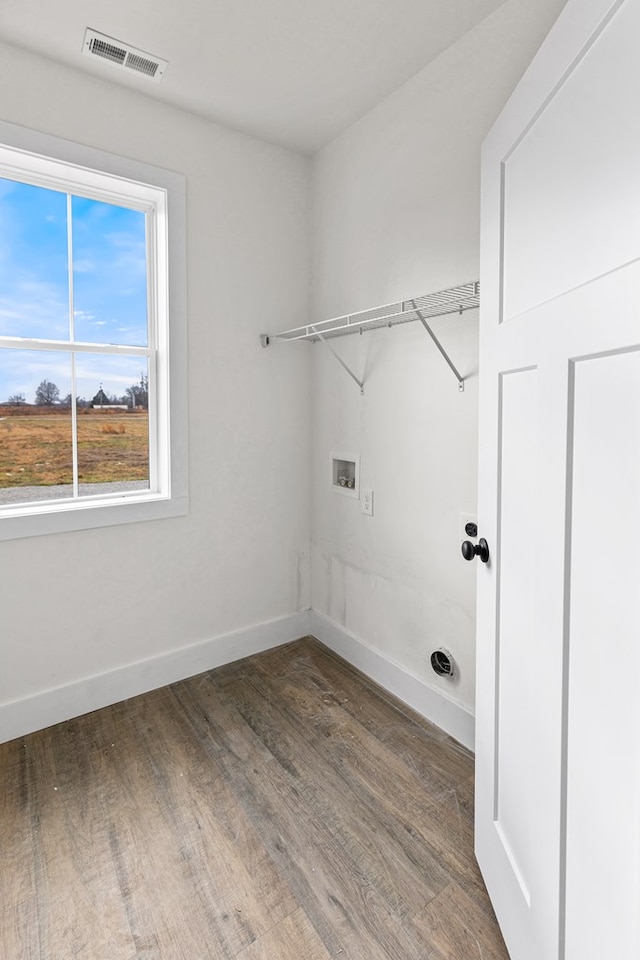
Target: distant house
(101,402)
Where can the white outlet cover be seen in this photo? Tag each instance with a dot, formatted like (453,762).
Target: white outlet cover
(367,501)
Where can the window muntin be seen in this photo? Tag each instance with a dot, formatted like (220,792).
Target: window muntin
(62,167)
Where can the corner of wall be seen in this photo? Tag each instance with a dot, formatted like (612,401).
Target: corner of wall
(452,717)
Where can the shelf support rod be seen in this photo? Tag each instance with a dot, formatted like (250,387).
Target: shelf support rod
(338,358)
(444,353)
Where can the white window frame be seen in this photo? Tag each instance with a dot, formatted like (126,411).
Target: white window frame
(47,161)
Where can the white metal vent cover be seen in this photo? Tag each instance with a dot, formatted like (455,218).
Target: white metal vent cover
(123,55)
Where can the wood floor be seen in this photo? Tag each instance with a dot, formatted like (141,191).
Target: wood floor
(280,808)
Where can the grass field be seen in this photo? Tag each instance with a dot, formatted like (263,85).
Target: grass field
(36,450)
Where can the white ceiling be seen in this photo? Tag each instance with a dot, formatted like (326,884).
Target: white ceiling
(296,72)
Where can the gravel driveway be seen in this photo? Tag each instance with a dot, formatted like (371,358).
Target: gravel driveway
(31,494)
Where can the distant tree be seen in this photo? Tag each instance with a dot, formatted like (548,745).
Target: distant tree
(47,394)
(137,395)
(17,398)
(66,401)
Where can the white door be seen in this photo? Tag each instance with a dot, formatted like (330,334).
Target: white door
(558,698)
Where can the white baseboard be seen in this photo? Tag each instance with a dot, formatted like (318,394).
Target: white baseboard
(450,716)
(41,710)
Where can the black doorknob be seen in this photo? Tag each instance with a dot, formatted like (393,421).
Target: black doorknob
(479,549)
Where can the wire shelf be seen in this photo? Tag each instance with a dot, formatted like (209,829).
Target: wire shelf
(458,299)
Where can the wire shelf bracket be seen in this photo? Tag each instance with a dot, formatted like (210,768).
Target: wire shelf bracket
(342,362)
(453,300)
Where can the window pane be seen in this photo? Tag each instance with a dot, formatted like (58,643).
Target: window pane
(109,273)
(113,424)
(36,460)
(34,281)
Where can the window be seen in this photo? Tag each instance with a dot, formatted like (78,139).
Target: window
(92,338)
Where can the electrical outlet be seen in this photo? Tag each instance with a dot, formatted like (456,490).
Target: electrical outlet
(367,501)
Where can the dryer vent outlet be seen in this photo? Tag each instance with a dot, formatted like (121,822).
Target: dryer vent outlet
(442,663)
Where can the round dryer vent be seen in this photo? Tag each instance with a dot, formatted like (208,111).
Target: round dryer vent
(442,663)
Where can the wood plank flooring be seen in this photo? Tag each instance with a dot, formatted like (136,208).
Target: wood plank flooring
(280,808)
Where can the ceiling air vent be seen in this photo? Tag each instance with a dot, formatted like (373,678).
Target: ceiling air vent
(123,55)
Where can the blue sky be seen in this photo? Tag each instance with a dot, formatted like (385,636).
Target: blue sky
(109,288)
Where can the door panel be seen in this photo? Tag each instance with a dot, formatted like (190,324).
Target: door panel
(574,187)
(515,637)
(557,725)
(603,780)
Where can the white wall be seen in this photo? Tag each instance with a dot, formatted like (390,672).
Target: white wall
(79,604)
(396,214)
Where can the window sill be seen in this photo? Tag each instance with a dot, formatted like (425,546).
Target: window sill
(42,519)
